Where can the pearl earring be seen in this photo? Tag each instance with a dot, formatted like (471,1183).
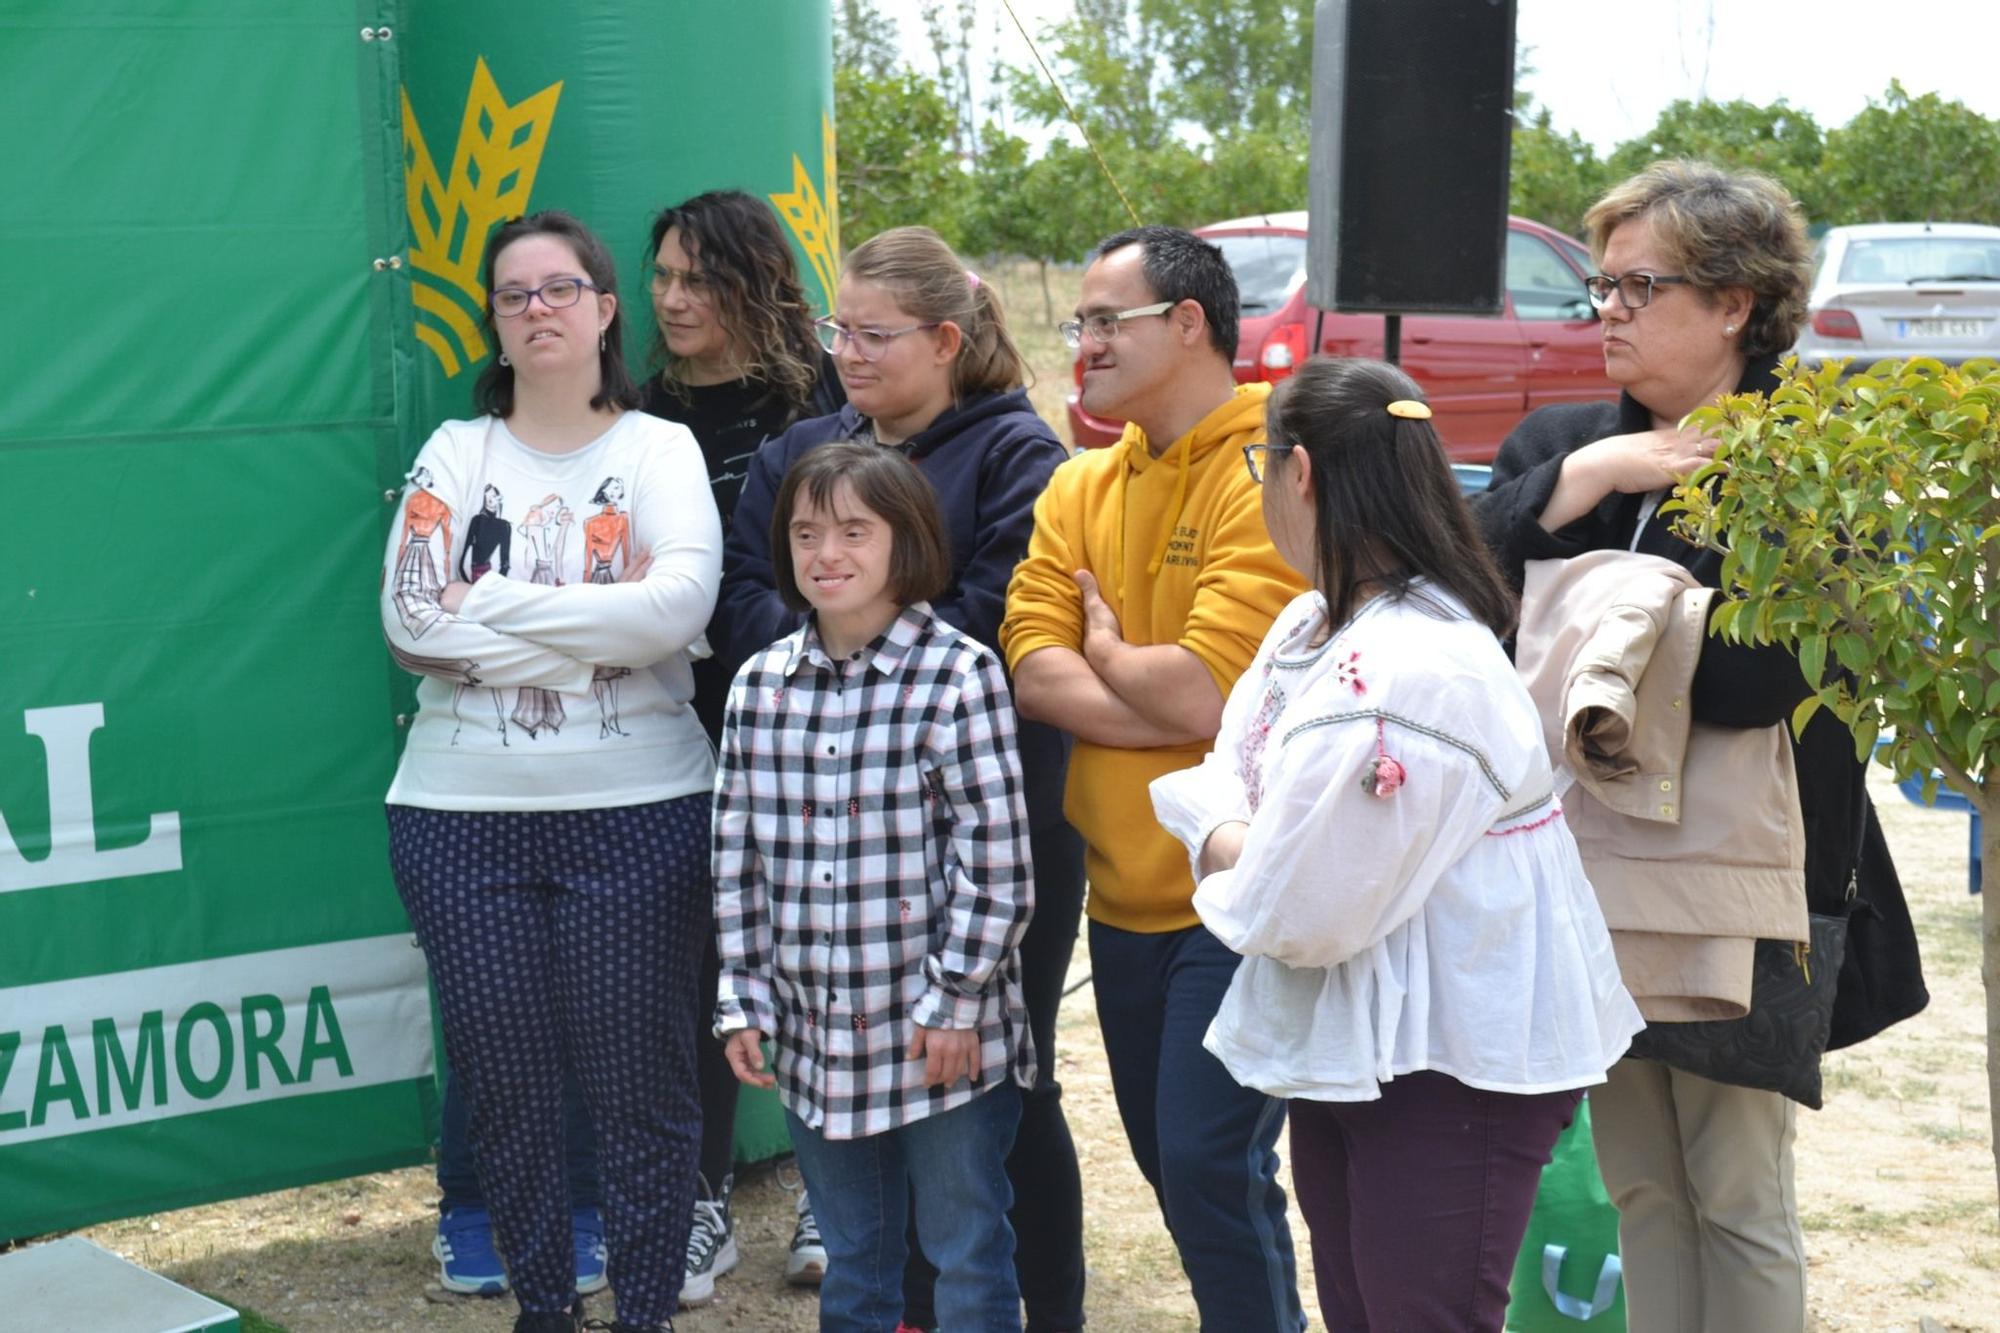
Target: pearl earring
(600,340)
(1728,329)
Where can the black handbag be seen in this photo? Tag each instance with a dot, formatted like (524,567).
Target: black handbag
(1777,1045)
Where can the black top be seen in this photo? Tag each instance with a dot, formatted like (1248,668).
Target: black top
(729,421)
(1735,685)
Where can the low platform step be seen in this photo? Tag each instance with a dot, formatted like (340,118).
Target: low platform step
(73,1284)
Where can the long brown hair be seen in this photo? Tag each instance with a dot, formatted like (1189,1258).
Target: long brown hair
(932,284)
(1387,510)
(754,287)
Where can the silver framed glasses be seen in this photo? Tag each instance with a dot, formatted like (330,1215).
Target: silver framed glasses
(556,294)
(1103,328)
(869,344)
(1635,290)
(1257,457)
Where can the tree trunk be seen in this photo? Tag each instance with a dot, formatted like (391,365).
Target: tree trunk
(1986,800)
(1048,302)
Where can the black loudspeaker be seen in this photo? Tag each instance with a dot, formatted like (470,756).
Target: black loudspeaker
(1412,129)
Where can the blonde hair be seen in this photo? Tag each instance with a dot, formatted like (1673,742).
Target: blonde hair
(931,284)
(1721,229)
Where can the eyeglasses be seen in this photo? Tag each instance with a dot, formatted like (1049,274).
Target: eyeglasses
(696,285)
(868,344)
(1257,457)
(556,294)
(1635,290)
(1103,328)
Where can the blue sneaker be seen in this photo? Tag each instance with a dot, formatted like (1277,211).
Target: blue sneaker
(467,1261)
(587,1230)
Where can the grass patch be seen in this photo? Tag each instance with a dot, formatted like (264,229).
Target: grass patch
(1948,1135)
(252,1321)
(1859,1219)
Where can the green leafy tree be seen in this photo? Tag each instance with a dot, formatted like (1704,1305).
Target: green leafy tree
(1860,521)
(863,40)
(894,156)
(1105,62)
(1914,159)
(1237,66)
(1554,177)
(1780,140)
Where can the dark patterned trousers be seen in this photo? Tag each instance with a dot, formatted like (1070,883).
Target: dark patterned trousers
(571,938)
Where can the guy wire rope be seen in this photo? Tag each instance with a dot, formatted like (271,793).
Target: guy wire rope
(1074,119)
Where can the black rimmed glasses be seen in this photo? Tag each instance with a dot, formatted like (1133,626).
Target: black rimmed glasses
(1635,290)
(556,294)
(868,344)
(1257,457)
(1103,328)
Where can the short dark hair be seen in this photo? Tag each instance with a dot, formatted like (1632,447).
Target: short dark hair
(755,287)
(494,393)
(890,485)
(1386,507)
(1180,266)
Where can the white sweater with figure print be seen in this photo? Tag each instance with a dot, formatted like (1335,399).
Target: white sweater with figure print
(1408,896)
(556,686)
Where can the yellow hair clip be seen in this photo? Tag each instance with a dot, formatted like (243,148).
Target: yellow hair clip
(1410,409)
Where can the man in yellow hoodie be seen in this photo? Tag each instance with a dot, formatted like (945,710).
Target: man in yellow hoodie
(1148,585)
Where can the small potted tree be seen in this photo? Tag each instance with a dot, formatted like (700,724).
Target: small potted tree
(1859,517)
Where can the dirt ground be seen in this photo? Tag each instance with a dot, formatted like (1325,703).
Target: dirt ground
(1895,1175)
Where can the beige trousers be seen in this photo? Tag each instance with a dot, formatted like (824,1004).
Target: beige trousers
(1708,1219)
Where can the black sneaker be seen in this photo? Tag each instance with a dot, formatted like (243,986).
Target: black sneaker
(551,1321)
(711,1248)
(620,1326)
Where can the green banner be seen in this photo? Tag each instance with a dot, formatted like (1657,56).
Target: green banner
(242,329)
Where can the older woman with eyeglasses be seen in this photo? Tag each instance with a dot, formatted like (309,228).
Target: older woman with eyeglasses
(1702,288)
(922,348)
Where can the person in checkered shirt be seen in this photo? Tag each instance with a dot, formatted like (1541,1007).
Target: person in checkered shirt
(873,882)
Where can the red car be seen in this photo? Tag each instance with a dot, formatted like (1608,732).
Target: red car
(1482,373)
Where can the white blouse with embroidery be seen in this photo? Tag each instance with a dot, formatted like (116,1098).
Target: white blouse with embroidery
(1408,896)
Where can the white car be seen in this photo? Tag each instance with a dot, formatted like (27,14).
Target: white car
(1903,289)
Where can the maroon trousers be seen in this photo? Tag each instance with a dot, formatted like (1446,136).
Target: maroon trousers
(1417,1201)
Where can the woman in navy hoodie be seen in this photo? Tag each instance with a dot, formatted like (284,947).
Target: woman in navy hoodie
(922,349)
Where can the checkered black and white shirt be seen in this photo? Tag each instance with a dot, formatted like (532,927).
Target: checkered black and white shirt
(871,869)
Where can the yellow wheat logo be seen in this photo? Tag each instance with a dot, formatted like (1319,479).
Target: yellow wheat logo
(815,223)
(492,174)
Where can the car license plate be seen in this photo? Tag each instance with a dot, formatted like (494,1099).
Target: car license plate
(1940,328)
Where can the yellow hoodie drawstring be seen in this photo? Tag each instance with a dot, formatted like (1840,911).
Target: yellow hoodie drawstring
(1185,451)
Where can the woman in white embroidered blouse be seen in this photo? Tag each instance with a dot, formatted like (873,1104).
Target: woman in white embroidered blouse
(1426,972)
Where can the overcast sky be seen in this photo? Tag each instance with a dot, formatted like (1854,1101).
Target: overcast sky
(1605,68)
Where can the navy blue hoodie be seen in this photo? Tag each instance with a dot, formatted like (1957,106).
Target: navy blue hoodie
(988,459)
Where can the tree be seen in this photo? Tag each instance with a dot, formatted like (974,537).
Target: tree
(894,158)
(863,40)
(1238,66)
(1779,140)
(948,27)
(1861,524)
(1907,159)
(1554,177)
(1105,62)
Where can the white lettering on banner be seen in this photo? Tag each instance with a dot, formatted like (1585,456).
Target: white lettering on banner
(74,857)
(97,1052)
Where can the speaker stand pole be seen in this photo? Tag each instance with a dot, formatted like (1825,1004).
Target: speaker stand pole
(1392,339)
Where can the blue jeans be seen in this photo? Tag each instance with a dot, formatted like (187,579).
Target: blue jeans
(1207,1145)
(955,1163)
(458,1178)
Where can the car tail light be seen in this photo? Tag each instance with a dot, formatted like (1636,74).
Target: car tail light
(1836,324)
(1282,352)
